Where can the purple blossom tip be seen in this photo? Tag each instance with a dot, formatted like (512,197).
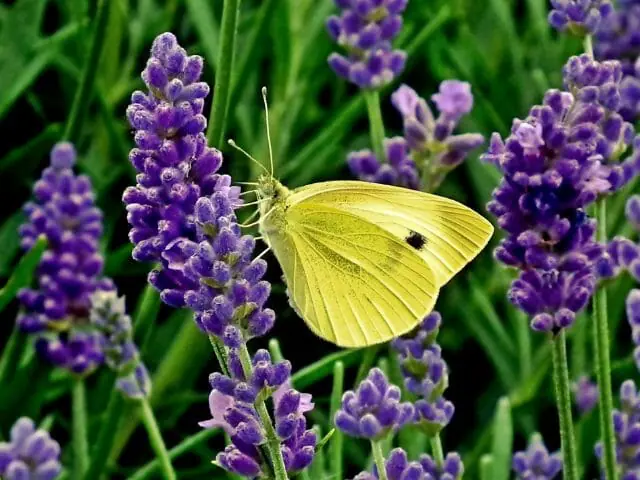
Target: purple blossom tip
(536,462)
(454,99)
(399,467)
(581,17)
(586,394)
(30,453)
(63,155)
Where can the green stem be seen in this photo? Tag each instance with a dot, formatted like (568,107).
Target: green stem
(221,353)
(273,442)
(79,418)
(12,354)
(155,438)
(563,400)
(378,458)
(603,362)
(436,450)
(376,125)
(185,446)
(100,453)
(146,315)
(337,441)
(224,69)
(85,88)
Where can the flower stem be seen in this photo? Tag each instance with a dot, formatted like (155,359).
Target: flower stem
(376,126)
(100,453)
(273,442)
(436,450)
(85,88)
(563,400)
(221,353)
(155,438)
(79,418)
(224,69)
(603,362)
(378,458)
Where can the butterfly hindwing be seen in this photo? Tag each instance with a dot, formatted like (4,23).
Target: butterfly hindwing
(445,233)
(353,282)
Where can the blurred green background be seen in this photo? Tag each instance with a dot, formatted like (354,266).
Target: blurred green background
(503,48)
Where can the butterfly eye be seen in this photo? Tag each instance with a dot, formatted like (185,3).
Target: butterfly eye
(416,240)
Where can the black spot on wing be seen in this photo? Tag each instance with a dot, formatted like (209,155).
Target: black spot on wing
(416,240)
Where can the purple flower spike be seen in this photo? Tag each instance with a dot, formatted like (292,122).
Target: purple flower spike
(29,454)
(365,29)
(586,394)
(536,462)
(109,317)
(398,169)
(174,163)
(633,317)
(398,467)
(556,163)
(626,424)
(374,409)
(64,212)
(618,38)
(581,17)
(430,140)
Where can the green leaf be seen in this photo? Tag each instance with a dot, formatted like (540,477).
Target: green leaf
(23,273)
(502,440)
(486,467)
(207,27)
(324,367)
(10,241)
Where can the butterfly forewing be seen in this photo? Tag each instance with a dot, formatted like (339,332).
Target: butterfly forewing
(445,233)
(353,282)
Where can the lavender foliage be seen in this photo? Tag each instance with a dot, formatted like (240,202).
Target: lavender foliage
(29,454)
(366,29)
(70,271)
(555,164)
(109,316)
(426,374)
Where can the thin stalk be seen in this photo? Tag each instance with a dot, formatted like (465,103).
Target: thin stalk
(376,125)
(79,419)
(603,362)
(12,354)
(273,442)
(220,352)
(100,453)
(224,70)
(155,438)
(378,458)
(436,450)
(337,441)
(85,88)
(563,400)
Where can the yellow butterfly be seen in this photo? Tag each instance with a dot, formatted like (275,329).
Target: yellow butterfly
(364,262)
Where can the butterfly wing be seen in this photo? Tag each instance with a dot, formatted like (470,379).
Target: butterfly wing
(445,233)
(353,283)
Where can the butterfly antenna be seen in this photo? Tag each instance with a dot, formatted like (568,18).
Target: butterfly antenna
(240,149)
(266,119)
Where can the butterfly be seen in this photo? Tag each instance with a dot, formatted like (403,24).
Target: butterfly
(364,262)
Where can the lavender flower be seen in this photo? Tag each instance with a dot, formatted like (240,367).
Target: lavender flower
(586,394)
(374,409)
(231,403)
(555,163)
(398,467)
(174,164)
(618,38)
(365,30)
(429,149)
(398,169)
(536,462)
(581,17)
(633,317)
(64,212)
(30,453)
(108,315)
(426,374)
(626,424)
